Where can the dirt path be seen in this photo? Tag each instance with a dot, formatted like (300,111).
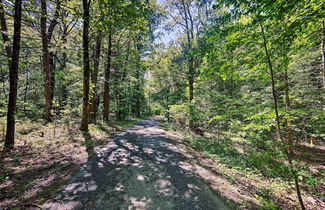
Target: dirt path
(141,168)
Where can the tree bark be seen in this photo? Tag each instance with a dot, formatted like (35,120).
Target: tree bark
(3,85)
(46,64)
(6,39)
(191,92)
(137,102)
(323,52)
(52,72)
(26,88)
(4,32)
(86,66)
(107,78)
(94,78)
(49,32)
(13,74)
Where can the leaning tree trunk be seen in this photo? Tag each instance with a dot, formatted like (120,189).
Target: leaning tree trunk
(13,74)
(107,78)
(86,66)
(278,125)
(94,78)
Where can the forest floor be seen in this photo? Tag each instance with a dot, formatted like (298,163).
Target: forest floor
(143,167)
(46,156)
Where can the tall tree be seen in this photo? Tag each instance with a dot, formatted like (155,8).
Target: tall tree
(186,14)
(94,78)
(46,62)
(48,57)
(86,66)
(13,74)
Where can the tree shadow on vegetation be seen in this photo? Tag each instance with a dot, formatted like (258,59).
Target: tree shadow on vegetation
(141,168)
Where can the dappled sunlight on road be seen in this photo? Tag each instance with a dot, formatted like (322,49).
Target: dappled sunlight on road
(140,169)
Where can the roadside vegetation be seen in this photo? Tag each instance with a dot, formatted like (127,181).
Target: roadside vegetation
(261,174)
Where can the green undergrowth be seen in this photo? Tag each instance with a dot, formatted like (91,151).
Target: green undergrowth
(38,133)
(258,159)
(225,151)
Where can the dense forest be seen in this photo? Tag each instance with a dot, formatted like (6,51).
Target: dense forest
(241,81)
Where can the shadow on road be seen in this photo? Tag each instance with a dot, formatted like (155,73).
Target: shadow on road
(140,169)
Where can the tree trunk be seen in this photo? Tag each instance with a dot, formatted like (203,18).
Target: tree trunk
(6,40)
(26,89)
(94,78)
(52,74)
(323,52)
(85,36)
(63,97)
(64,92)
(13,74)
(191,92)
(50,30)
(275,98)
(107,78)
(4,32)
(46,63)
(137,102)
(191,71)
(136,107)
(3,85)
